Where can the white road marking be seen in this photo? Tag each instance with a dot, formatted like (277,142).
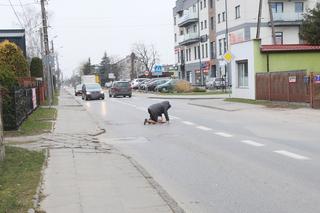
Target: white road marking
(174,117)
(223,134)
(252,143)
(204,128)
(291,155)
(188,123)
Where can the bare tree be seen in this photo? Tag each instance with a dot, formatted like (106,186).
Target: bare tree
(31,20)
(147,55)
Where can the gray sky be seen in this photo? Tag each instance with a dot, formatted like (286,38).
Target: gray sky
(87,28)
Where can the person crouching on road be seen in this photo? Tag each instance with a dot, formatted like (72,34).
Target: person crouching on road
(156,111)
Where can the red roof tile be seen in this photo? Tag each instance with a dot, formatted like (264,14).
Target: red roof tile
(289,48)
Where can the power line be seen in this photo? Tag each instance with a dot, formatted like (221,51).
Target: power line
(15,13)
(24,12)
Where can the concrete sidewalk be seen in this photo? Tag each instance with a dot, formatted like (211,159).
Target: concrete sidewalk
(84,175)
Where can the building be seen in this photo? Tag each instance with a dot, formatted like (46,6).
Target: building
(194,37)
(16,36)
(237,21)
(130,68)
(286,64)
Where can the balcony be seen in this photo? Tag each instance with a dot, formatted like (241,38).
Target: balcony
(187,19)
(287,19)
(188,39)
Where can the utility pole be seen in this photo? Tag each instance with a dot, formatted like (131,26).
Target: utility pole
(47,52)
(259,20)
(272,23)
(199,49)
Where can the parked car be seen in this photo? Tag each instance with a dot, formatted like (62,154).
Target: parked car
(219,83)
(152,86)
(135,82)
(108,84)
(168,86)
(92,91)
(210,83)
(120,88)
(78,90)
(143,85)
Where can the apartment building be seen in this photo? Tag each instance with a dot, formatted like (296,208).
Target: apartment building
(194,36)
(130,67)
(237,20)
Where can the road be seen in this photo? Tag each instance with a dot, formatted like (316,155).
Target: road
(253,159)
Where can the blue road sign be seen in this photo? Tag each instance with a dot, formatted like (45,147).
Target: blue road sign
(158,69)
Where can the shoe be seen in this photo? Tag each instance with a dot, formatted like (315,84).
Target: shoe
(145,121)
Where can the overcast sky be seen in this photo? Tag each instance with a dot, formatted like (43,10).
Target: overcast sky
(87,28)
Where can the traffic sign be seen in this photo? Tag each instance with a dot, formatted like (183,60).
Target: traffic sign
(228,57)
(158,68)
(317,79)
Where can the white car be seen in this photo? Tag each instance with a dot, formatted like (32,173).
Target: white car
(135,82)
(108,84)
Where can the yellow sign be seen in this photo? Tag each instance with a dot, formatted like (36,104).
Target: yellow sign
(228,57)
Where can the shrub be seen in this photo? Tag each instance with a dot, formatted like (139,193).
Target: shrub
(36,67)
(198,89)
(183,86)
(12,56)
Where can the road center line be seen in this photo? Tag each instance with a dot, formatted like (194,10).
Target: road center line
(252,143)
(204,128)
(291,155)
(223,134)
(188,123)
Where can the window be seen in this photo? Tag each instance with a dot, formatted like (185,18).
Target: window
(212,50)
(195,28)
(211,3)
(181,32)
(205,24)
(201,5)
(187,55)
(187,30)
(277,7)
(242,67)
(194,8)
(299,7)
(279,37)
(175,37)
(202,25)
(220,46)
(211,23)
(202,50)
(199,52)
(179,57)
(223,16)
(195,53)
(206,50)
(213,71)
(182,56)
(190,54)
(219,18)
(237,11)
(224,45)
(204,3)
(175,21)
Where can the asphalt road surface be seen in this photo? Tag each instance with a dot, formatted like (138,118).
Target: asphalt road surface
(250,159)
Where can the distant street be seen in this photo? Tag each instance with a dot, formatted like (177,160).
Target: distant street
(218,157)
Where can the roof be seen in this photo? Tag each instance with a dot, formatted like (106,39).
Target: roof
(289,48)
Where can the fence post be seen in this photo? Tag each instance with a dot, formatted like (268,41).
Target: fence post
(2,147)
(288,87)
(311,90)
(269,86)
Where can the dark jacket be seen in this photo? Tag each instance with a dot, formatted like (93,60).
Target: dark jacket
(160,108)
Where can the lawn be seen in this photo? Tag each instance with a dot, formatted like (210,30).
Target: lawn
(19,177)
(39,122)
(270,104)
(55,100)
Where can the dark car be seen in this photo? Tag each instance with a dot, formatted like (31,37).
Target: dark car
(120,88)
(78,90)
(143,84)
(219,83)
(151,86)
(92,91)
(168,86)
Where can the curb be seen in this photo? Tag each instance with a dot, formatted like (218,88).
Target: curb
(173,205)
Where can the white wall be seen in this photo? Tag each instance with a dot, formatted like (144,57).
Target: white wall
(243,51)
